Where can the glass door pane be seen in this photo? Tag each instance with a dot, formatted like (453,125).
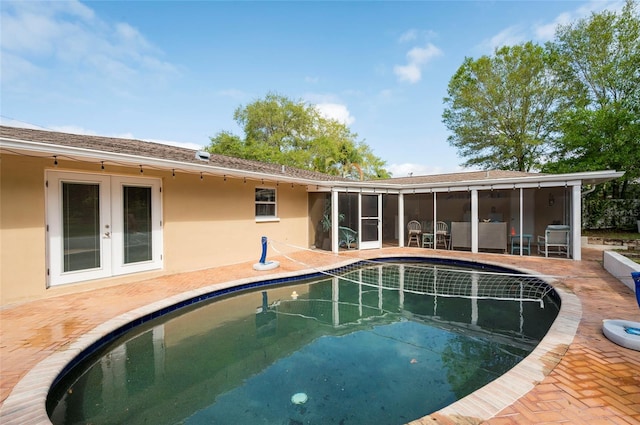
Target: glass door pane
(137,224)
(81,226)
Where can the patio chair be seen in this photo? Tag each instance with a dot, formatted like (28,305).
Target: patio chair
(442,234)
(414,228)
(554,241)
(347,236)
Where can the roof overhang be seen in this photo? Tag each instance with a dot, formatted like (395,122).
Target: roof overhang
(39,149)
(529,181)
(48,150)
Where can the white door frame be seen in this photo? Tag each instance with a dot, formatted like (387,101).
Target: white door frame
(378,242)
(111,226)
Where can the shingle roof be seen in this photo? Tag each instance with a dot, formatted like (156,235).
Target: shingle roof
(459,177)
(157,151)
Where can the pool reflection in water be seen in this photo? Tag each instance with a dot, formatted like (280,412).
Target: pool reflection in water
(361,353)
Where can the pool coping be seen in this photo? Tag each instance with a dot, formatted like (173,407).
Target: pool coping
(27,401)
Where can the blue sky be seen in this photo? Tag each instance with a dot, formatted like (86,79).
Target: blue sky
(173,71)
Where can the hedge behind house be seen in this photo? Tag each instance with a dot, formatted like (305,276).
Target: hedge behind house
(621,214)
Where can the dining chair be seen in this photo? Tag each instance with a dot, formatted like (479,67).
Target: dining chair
(442,234)
(414,228)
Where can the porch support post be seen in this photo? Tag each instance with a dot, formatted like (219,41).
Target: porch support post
(401,219)
(576,222)
(474,220)
(334,222)
(435,219)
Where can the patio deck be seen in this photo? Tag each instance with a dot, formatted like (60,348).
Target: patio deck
(593,382)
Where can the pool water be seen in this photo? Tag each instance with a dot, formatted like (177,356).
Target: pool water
(361,354)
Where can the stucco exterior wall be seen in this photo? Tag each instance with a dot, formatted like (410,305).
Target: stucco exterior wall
(212,222)
(206,223)
(22,231)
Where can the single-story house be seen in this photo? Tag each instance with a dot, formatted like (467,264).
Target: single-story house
(79,212)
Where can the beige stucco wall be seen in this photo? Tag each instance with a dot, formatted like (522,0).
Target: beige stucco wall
(207,223)
(212,222)
(22,236)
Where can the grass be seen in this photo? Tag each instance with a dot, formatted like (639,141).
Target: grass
(617,235)
(612,234)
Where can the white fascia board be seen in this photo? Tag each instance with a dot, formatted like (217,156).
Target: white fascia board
(535,181)
(358,187)
(541,180)
(551,180)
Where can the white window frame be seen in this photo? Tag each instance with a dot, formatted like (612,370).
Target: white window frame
(266,218)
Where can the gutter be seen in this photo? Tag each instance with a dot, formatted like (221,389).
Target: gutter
(371,186)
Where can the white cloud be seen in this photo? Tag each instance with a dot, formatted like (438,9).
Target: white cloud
(336,111)
(409,169)
(417,58)
(74,129)
(510,36)
(409,35)
(410,73)
(10,122)
(423,55)
(68,38)
(185,145)
(546,31)
(414,34)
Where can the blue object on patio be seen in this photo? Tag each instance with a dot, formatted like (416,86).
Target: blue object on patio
(263,257)
(636,280)
(263,264)
(624,332)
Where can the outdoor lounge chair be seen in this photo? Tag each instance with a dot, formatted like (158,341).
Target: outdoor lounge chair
(555,240)
(347,237)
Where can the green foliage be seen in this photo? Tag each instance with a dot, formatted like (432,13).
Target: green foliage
(282,131)
(500,109)
(596,60)
(569,107)
(621,214)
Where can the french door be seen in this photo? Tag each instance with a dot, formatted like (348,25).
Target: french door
(370,221)
(100,226)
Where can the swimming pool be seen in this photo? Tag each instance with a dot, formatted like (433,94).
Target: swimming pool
(363,349)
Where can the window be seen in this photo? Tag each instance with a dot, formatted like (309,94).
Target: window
(265,202)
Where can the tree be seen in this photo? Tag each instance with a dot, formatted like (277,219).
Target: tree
(598,62)
(282,131)
(501,109)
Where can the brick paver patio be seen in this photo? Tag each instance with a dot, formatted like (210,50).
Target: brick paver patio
(590,381)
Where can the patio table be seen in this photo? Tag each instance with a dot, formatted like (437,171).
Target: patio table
(526,243)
